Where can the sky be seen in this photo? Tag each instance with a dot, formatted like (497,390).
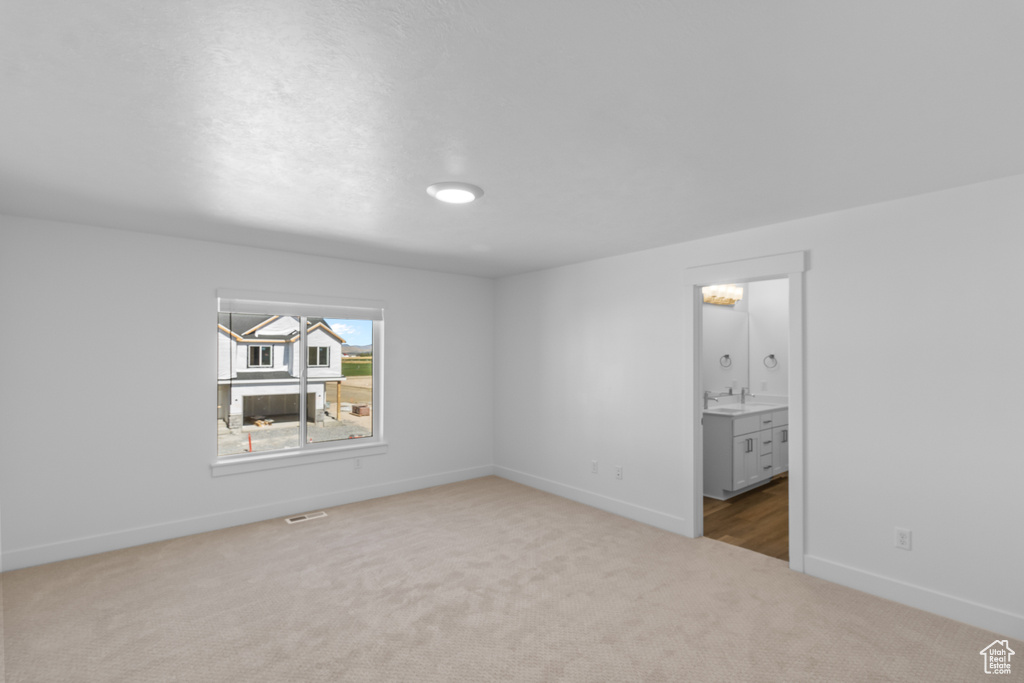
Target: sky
(354,332)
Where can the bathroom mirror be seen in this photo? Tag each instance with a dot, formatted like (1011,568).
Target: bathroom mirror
(725,360)
(754,333)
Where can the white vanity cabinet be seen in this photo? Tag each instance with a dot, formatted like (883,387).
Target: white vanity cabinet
(743,448)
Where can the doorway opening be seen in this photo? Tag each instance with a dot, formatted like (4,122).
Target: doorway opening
(744,384)
(750,456)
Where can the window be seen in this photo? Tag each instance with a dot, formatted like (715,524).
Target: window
(273,415)
(260,356)
(319,356)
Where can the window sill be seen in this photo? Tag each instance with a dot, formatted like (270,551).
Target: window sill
(240,464)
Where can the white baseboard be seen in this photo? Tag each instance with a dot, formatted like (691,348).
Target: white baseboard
(989,618)
(90,545)
(637,513)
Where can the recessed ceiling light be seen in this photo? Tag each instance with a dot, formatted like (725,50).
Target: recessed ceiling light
(454,193)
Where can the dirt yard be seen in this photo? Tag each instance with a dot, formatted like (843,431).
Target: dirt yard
(283,433)
(353,390)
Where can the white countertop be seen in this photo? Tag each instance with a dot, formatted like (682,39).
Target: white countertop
(734,409)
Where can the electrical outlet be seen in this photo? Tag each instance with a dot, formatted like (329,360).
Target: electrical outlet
(618,472)
(903,538)
(358,463)
(593,466)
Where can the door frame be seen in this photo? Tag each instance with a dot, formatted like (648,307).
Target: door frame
(789,266)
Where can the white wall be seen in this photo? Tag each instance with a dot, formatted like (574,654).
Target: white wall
(97,456)
(769,334)
(900,428)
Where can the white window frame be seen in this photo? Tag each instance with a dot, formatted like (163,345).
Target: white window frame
(248,301)
(327,352)
(248,359)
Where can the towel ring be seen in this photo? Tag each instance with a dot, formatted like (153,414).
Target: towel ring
(770,361)
(725,361)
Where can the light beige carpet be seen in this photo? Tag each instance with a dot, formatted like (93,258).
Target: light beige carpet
(483,580)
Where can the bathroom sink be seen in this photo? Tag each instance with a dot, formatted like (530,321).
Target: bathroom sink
(729,410)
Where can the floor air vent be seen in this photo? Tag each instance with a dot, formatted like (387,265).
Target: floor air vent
(306,517)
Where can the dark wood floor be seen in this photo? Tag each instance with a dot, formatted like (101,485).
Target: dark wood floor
(757,520)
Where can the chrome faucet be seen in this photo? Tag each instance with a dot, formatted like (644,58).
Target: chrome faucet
(745,394)
(708,397)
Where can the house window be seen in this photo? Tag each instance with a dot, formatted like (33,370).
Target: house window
(275,415)
(319,356)
(261,357)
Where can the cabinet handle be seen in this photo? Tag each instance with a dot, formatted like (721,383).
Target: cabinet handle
(766,422)
(750,445)
(785,436)
(767,442)
(767,467)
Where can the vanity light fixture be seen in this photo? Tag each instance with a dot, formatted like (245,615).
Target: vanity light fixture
(454,193)
(723,295)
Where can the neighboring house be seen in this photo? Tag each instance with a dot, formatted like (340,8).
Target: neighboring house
(259,363)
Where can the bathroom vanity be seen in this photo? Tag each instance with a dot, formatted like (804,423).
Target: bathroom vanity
(744,446)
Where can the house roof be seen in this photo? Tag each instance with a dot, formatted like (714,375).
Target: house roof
(275,374)
(244,327)
(272,337)
(240,323)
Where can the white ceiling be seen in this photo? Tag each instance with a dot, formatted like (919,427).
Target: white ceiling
(594,127)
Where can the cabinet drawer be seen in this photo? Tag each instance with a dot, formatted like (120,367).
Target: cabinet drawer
(764,465)
(780,418)
(746,424)
(764,442)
